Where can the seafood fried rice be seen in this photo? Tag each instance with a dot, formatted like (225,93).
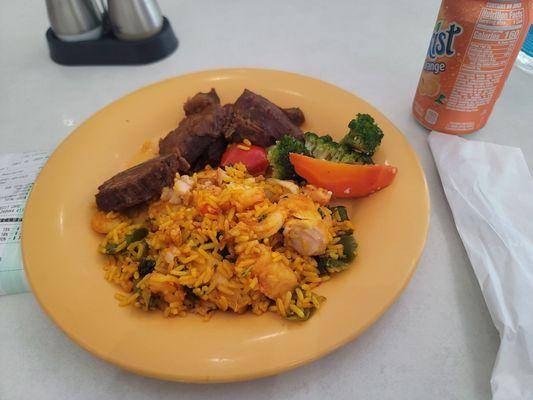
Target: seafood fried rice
(222,239)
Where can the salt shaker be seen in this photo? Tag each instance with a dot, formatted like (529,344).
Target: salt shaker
(134,19)
(75,20)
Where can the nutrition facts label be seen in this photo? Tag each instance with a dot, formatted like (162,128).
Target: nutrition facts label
(493,40)
(17,174)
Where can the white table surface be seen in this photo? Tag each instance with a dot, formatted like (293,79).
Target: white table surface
(436,342)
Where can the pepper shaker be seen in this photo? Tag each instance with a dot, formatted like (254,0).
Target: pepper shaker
(135,19)
(75,20)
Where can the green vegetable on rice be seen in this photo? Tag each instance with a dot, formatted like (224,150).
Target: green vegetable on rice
(135,236)
(328,265)
(145,267)
(339,213)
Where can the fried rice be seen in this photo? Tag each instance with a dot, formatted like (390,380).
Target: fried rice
(223,240)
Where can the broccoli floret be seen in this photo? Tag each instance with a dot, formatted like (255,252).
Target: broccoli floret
(278,156)
(322,147)
(364,136)
(314,143)
(325,148)
(350,156)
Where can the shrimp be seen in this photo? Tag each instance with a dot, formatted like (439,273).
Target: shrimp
(180,192)
(305,230)
(169,254)
(247,196)
(183,185)
(170,292)
(274,278)
(318,195)
(309,237)
(290,186)
(299,206)
(103,222)
(270,225)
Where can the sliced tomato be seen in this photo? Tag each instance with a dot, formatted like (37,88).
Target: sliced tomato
(253,157)
(344,180)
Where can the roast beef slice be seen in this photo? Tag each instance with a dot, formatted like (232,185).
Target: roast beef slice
(212,155)
(200,101)
(259,120)
(195,134)
(295,115)
(138,184)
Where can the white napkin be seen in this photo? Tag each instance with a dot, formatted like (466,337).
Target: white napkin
(490,191)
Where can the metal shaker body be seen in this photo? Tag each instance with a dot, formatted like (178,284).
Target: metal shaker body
(75,20)
(134,19)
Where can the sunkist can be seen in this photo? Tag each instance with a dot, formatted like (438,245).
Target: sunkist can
(472,49)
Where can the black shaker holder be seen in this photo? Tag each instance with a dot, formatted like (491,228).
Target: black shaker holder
(108,50)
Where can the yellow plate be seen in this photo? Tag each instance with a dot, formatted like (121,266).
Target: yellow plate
(65,270)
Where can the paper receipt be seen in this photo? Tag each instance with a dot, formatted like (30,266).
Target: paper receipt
(17,174)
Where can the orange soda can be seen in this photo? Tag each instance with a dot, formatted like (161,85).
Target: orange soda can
(471,52)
